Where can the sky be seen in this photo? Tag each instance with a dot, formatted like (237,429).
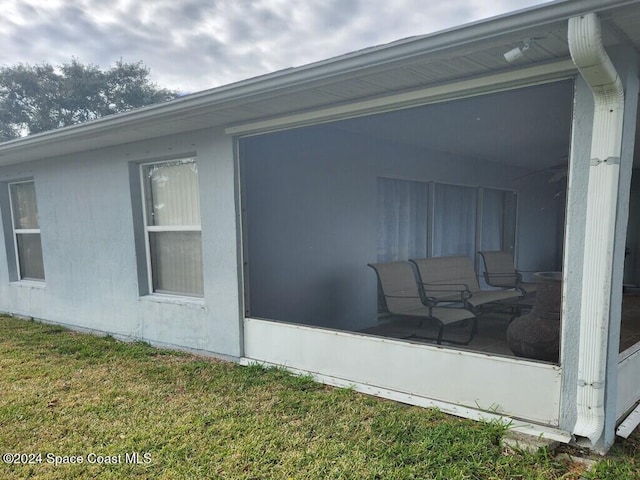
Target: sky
(193,45)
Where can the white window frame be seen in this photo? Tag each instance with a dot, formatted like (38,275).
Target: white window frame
(166,228)
(22,231)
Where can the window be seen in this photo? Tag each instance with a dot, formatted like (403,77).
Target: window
(172,227)
(26,230)
(423,219)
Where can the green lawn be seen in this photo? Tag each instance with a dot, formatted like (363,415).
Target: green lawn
(68,397)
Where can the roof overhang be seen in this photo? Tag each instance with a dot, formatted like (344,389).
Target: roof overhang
(404,67)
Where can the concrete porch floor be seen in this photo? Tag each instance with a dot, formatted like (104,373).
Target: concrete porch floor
(492,330)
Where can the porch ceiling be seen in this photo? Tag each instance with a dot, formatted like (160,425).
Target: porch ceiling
(522,128)
(413,63)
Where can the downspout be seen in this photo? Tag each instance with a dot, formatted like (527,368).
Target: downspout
(595,66)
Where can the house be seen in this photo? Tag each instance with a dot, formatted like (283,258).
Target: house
(239,221)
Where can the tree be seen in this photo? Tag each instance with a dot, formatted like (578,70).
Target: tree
(37,98)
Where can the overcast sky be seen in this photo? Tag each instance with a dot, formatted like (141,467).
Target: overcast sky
(192,45)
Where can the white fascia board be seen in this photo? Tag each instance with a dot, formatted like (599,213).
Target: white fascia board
(466,88)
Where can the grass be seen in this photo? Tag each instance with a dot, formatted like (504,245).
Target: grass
(66,394)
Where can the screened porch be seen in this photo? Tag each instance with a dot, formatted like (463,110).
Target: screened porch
(321,203)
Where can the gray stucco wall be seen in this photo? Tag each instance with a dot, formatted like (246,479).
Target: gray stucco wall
(91,262)
(311,218)
(574,242)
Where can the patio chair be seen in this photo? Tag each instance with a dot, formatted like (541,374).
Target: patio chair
(500,272)
(453,279)
(404,298)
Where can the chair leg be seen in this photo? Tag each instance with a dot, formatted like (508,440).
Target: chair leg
(440,337)
(474,330)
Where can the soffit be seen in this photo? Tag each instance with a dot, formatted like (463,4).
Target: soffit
(623,24)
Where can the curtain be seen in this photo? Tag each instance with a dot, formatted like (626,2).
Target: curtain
(28,243)
(30,256)
(498,220)
(454,226)
(174,198)
(25,209)
(176,258)
(403,209)
(404,220)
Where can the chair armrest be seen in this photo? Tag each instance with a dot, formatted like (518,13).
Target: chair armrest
(497,279)
(454,288)
(502,275)
(425,301)
(402,296)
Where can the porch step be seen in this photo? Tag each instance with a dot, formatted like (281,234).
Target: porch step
(528,443)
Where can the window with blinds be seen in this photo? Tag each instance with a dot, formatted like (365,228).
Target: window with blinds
(26,230)
(172,227)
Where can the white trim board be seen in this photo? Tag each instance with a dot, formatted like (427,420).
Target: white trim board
(538,431)
(464,380)
(628,384)
(629,424)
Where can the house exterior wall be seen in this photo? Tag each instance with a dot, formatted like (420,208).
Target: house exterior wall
(322,202)
(578,178)
(89,229)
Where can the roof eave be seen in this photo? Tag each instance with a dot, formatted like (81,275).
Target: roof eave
(318,72)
